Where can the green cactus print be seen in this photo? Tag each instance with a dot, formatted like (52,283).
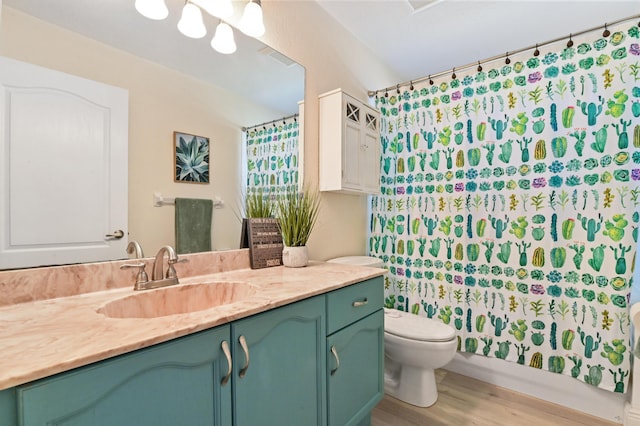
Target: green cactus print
(272,158)
(543,157)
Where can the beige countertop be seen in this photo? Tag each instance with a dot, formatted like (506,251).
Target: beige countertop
(44,337)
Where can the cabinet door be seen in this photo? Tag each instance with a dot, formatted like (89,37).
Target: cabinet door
(370,154)
(174,383)
(355,357)
(8,407)
(281,382)
(352,144)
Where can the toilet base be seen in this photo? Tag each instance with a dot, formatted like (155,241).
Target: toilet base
(415,386)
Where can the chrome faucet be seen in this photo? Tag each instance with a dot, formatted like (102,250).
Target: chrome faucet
(134,247)
(158,278)
(157,273)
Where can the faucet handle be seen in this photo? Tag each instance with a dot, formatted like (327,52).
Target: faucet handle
(171,271)
(141,277)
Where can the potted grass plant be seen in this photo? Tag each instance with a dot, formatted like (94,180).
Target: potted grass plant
(297,213)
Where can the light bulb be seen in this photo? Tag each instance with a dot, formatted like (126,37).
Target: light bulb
(223,41)
(251,22)
(190,23)
(222,9)
(152,9)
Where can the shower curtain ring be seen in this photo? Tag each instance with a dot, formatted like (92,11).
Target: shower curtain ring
(398,88)
(606,32)
(570,42)
(453,74)
(479,67)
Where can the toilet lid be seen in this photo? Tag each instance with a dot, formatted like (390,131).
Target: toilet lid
(410,326)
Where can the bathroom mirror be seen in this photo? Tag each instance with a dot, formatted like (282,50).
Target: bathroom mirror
(254,85)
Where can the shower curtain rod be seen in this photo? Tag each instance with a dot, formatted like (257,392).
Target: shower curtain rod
(244,129)
(505,55)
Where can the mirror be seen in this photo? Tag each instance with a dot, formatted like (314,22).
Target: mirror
(175,84)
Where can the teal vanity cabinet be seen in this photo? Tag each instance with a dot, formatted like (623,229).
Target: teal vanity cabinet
(281,381)
(279,367)
(355,352)
(174,383)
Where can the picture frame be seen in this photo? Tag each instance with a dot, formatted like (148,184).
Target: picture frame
(190,158)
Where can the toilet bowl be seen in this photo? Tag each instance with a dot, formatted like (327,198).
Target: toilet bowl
(414,346)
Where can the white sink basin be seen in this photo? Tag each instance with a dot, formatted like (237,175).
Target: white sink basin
(178,299)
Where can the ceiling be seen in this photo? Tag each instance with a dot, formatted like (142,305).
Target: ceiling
(117,23)
(413,38)
(441,34)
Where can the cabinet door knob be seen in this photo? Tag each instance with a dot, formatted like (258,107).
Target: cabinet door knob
(227,354)
(360,303)
(245,348)
(335,355)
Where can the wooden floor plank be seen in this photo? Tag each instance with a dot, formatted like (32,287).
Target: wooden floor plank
(464,401)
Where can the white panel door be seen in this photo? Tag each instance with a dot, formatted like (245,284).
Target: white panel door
(63,168)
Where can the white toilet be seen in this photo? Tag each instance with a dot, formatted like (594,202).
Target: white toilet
(414,346)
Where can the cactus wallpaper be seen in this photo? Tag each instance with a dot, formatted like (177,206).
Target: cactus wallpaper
(272,157)
(509,206)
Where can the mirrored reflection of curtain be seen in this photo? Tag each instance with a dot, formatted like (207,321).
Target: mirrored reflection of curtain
(510,206)
(272,158)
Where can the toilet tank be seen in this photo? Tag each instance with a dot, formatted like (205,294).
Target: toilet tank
(358,260)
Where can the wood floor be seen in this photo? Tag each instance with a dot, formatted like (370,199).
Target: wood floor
(464,401)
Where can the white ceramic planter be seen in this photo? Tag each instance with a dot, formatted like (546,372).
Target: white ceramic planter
(295,257)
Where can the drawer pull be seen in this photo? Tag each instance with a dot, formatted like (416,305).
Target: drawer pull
(227,354)
(360,303)
(243,343)
(335,355)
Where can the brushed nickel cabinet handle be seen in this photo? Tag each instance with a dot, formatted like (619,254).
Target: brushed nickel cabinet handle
(360,303)
(227,354)
(335,355)
(243,343)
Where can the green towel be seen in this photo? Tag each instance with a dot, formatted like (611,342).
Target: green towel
(193,225)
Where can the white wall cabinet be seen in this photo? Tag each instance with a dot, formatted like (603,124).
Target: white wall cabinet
(349,145)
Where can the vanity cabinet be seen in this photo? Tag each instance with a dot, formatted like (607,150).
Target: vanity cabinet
(355,353)
(349,144)
(283,371)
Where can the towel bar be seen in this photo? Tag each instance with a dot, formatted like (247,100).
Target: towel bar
(159,201)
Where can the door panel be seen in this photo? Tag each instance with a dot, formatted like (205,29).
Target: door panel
(175,383)
(355,385)
(284,383)
(63,156)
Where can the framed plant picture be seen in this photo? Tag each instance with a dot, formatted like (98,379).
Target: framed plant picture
(191,158)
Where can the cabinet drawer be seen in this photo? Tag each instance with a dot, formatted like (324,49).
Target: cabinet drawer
(351,303)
